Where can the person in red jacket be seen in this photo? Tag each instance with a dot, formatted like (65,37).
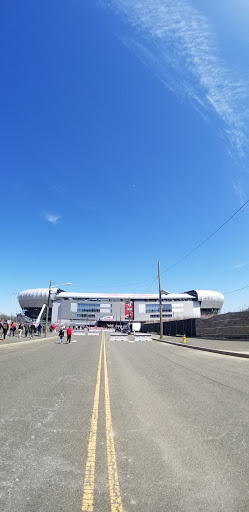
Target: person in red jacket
(69,334)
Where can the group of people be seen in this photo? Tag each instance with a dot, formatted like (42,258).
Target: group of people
(32,329)
(8,330)
(69,334)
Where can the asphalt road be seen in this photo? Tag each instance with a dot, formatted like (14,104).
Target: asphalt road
(162,428)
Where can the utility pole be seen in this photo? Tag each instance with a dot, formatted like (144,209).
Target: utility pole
(46,326)
(129,313)
(160,302)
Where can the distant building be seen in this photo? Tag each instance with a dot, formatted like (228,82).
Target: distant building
(114,308)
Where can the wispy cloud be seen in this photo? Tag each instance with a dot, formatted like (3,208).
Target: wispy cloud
(240,265)
(240,191)
(51,217)
(179,43)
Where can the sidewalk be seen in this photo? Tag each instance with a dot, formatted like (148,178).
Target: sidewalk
(13,340)
(237,348)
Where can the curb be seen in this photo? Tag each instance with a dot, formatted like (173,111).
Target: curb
(26,341)
(214,350)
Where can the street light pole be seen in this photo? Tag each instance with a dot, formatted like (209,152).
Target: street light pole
(129,313)
(46,325)
(160,302)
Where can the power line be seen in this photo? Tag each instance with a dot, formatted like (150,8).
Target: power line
(238,290)
(186,256)
(206,239)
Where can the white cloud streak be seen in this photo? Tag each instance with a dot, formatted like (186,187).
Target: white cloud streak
(240,265)
(52,218)
(240,191)
(178,42)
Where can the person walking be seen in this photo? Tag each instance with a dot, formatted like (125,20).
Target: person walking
(69,334)
(39,329)
(20,330)
(26,329)
(32,330)
(5,329)
(61,334)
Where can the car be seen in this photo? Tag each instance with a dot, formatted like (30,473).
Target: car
(126,330)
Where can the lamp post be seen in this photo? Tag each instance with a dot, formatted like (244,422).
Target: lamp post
(49,292)
(129,313)
(160,302)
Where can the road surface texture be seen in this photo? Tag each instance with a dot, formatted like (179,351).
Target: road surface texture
(100,425)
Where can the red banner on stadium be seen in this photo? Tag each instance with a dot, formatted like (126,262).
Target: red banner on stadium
(129,311)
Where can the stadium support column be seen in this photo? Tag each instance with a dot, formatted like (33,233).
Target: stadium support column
(46,326)
(160,302)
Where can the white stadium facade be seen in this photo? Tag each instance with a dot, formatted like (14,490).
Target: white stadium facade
(100,309)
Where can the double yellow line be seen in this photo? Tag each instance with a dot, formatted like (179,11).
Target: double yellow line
(88,491)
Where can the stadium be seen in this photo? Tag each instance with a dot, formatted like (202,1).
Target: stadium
(100,309)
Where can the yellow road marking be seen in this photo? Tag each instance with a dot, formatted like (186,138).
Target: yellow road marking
(88,492)
(116,503)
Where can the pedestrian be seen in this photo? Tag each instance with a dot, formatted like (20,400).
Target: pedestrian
(69,334)
(5,329)
(61,334)
(13,328)
(20,330)
(32,330)
(39,328)
(26,329)
(54,329)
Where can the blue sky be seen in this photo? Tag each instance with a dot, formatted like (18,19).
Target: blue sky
(124,141)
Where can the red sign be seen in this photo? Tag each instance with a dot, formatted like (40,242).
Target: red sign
(129,311)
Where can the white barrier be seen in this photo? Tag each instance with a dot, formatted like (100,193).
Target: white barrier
(119,337)
(125,337)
